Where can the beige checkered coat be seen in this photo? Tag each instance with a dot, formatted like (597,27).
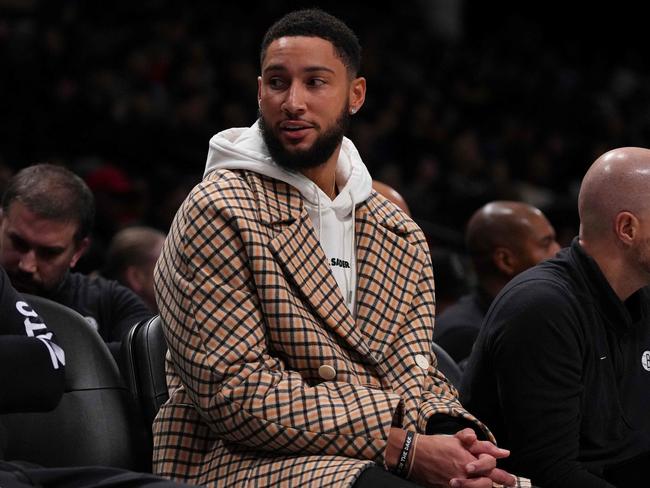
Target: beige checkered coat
(255,321)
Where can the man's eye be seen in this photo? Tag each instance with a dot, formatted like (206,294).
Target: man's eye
(316,82)
(276,83)
(18,244)
(49,253)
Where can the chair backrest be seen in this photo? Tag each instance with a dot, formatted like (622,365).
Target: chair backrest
(448,366)
(94,424)
(143,357)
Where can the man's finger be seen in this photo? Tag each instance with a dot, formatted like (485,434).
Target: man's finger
(482,466)
(466,436)
(471,483)
(502,477)
(486,447)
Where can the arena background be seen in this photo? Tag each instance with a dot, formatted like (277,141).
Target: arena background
(467,101)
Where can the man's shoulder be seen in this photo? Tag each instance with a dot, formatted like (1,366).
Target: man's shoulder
(465,312)
(545,280)
(103,302)
(240,191)
(544,298)
(94,287)
(82,280)
(222,184)
(382,211)
(238,180)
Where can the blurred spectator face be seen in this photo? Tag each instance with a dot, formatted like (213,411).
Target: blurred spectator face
(36,252)
(305,97)
(131,258)
(539,243)
(139,277)
(147,291)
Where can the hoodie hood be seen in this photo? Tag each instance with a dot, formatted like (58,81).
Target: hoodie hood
(244,148)
(333,220)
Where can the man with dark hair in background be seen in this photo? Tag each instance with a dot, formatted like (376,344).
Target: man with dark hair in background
(131,258)
(47,217)
(503,238)
(298,303)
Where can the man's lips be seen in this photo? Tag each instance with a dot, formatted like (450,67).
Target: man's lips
(295,129)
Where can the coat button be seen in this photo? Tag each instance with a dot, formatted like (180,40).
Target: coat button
(327,372)
(421,361)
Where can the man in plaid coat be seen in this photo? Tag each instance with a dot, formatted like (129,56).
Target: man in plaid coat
(298,304)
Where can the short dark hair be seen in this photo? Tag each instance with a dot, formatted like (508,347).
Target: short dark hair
(317,23)
(129,247)
(53,192)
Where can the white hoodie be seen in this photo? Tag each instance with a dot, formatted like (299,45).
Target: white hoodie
(333,220)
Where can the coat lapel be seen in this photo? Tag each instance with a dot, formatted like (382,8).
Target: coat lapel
(300,254)
(388,270)
(297,249)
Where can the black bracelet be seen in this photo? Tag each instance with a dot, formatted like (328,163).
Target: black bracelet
(402,463)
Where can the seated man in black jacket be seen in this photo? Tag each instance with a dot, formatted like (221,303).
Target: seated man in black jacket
(47,216)
(32,379)
(561,368)
(503,238)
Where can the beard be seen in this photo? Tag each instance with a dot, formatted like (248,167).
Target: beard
(642,255)
(24,283)
(319,152)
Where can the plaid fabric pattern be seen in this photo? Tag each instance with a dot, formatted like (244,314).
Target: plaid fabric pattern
(252,313)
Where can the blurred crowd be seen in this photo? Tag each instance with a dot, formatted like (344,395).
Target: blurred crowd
(466,103)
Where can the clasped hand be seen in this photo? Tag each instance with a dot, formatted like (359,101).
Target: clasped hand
(459,461)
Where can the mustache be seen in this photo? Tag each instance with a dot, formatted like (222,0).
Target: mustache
(24,282)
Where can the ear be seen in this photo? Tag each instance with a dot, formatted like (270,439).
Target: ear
(626,227)
(81,249)
(357,94)
(504,260)
(259,91)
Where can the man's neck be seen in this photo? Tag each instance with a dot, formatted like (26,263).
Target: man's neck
(492,285)
(623,279)
(325,175)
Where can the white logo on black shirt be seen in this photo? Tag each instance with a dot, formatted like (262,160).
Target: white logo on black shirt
(34,327)
(645,360)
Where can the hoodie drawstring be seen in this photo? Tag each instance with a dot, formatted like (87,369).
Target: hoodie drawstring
(320,215)
(353,269)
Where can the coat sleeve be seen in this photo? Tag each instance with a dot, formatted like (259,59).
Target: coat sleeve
(439,397)
(218,342)
(31,363)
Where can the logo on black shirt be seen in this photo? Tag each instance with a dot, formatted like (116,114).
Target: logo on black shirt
(645,360)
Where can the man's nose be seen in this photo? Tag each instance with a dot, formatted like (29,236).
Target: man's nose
(295,103)
(27,262)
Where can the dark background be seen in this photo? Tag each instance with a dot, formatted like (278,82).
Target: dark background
(467,101)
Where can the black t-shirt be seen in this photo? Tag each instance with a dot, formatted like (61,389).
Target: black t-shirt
(31,363)
(457,327)
(109,307)
(561,374)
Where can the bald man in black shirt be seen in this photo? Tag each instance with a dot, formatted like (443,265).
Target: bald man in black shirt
(561,368)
